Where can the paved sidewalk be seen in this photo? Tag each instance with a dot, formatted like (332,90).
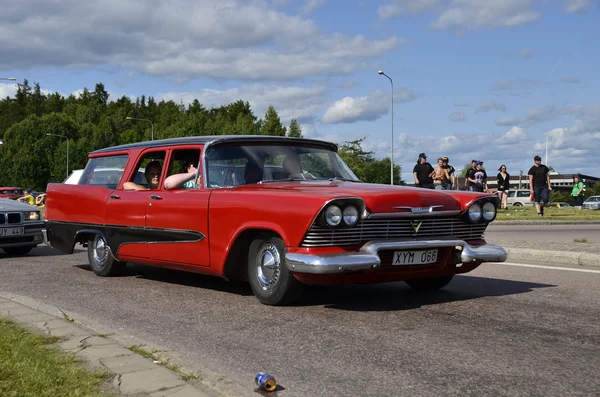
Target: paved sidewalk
(133,374)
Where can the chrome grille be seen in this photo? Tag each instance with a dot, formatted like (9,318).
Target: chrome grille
(393,229)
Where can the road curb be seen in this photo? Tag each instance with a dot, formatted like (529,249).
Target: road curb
(555,257)
(543,222)
(132,374)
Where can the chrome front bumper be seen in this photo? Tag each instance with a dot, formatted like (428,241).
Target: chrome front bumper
(367,257)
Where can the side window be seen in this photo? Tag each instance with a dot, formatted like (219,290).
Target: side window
(149,170)
(511,193)
(522,193)
(183,162)
(104,171)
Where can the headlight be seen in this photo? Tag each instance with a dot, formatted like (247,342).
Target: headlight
(31,216)
(489,211)
(350,215)
(333,215)
(475,213)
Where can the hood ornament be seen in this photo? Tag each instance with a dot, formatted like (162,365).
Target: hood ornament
(419,210)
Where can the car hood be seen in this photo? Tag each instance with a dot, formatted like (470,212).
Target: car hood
(378,198)
(12,205)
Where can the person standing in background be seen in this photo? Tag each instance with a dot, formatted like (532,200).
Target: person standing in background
(503,185)
(422,173)
(469,175)
(479,179)
(539,184)
(451,184)
(440,176)
(578,188)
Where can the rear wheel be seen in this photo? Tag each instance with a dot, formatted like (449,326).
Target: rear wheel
(271,281)
(17,250)
(429,284)
(101,260)
(518,204)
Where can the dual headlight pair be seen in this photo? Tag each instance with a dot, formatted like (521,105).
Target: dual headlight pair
(478,212)
(335,215)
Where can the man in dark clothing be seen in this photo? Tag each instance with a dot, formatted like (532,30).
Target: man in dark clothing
(451,184)
(539,184)
(479,179)
(470,175)
(422,173)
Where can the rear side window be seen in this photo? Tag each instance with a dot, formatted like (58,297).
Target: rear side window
(104,171)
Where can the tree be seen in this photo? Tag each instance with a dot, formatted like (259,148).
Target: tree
(272,124)
(365,166)
(294,130)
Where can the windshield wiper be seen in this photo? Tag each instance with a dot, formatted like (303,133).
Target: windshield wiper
(283,180)
(345,180)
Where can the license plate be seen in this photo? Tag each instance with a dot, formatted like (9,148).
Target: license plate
(12,231)
(415,257)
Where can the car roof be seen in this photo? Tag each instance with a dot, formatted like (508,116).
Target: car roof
(214,139)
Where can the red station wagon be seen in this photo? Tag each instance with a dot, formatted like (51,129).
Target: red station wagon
(311,221)
(12,193)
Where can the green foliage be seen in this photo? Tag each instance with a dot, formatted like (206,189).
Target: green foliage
(465,169)
(272,124)
(295,131)
(365,166)
(558,195)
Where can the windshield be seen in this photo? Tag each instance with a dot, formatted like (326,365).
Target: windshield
(233,165)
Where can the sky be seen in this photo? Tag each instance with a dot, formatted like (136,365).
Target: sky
(491,80)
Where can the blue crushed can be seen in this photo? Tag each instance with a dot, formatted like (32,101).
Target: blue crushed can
(265,381)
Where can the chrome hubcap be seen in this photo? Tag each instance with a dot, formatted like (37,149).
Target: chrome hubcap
(100,251)
(268,264)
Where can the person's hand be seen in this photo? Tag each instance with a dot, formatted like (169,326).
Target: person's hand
(416,181)
(549,187)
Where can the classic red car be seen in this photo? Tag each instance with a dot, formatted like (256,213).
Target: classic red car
(12,193)
(311,221)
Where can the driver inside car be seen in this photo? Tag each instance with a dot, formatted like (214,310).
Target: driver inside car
(152,174)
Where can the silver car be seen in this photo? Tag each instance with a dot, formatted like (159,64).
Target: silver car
(20,227)
(519,198)
(592,203)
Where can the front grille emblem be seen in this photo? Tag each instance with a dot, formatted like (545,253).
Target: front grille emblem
(415,226)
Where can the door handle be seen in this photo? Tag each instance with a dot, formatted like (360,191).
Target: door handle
(115,196)
(155,197)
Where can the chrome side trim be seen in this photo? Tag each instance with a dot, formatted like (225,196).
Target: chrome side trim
(367,257)
(388,215)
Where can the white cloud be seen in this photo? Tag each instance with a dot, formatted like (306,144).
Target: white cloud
(514,135)
(457,116)
(7,90)
(490,105)
(508,121)
(291,102)
(181,38)
(570,80)
(350,110)
(525,53)
(478,14)
(516,84)
(579,6)
(371,107)
(311,5)
(396,7)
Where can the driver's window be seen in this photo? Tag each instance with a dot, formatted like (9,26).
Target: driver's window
(147,174)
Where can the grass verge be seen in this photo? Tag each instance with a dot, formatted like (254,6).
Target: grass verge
(550,214)
(31,367)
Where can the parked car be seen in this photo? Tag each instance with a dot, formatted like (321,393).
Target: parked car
(559,204)
(592,203)
(20,227)
(323,226)
(519,198)
(12,193)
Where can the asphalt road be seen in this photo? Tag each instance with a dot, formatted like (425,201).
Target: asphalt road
(501,330)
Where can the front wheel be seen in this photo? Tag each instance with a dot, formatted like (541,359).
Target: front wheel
(429,284)
(17,250)
(518,204)
(271,281)
(101,260)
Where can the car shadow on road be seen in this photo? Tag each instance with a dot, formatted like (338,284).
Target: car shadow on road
(398,296)
(179,277)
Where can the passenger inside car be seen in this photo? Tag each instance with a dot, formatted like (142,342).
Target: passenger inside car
(252,173)
(152,173)
(291,167)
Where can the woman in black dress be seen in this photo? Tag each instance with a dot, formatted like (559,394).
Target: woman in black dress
(503,185)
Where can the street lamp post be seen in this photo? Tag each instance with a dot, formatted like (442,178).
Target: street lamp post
(150,121)
(392,156)
(67,138)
